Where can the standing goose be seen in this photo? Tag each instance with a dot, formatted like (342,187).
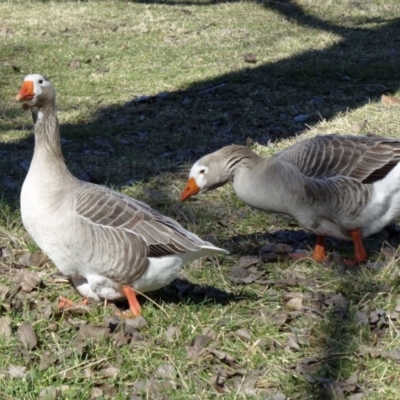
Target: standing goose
(347,187)
(109,244)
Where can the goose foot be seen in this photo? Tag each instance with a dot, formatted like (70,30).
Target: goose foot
(360,255)
(63,302)
(319,253)
(134,306)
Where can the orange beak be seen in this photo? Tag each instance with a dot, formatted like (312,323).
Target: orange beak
(27,92)
(190,190)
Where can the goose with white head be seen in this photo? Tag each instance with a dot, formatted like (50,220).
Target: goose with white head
(346,187)
(110,245)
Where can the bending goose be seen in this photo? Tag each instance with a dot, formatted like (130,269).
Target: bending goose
(110,245)
(347,187)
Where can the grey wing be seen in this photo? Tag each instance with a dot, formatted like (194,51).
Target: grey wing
(106,208)
(123,233)
(365,158)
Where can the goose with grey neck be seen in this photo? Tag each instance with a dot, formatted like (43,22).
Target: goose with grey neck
(110,245)
(347,187)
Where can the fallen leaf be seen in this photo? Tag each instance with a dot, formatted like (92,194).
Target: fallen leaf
(74,64)
(224,357)
(166,371)
(173,333)
(138,322)
(247,261)
(4,292)
(89,331)
(109,372)
(120,339)
(243,334)
(301,117)
(295,304)
(292,343)
(27,335)
(361,317)
(28,280)
(95,393)
(53,392)
(201,341)
(36,259)
(391,355)
(210,333)
(248,386)
(389,100)
(359,126)
(250,58)
(16,371)
(5,327)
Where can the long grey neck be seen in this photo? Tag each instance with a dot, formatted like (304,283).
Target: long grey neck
(47,139)
(239,159)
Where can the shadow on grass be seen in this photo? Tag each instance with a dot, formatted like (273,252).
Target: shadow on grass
(153,136)
(184,291)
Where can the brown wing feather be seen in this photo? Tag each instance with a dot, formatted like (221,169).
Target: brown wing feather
(162,235)
(365,158)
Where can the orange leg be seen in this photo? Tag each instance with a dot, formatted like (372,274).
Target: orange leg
(319,253)
(134,305)
(359,252)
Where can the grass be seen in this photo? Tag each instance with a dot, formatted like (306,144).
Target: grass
(329,60)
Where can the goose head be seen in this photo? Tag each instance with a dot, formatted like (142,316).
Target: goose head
(36,90)
(206,174)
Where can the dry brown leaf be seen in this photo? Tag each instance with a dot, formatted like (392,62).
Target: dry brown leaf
(391,355)
(4,291)
(138,322)
(120,339)
(296,304)
(36,259)
(173,333)
(243,334)
(250,58)
(89,331)
(108,391)
(224,357)
(165,371)
(5,327)
(27,280)
(16,371)
(27,335)
(74,64)
(361,317)
(248,386)
(209,332)
(52,392)
(96,393)
(292,343)
(389,100)
(359,126)
(247,261)
(109,372)
(201,341)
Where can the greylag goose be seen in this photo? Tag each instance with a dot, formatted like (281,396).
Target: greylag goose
(347,187)
(110,245)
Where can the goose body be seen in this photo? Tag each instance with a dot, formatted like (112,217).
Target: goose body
(347,187)
(109,244)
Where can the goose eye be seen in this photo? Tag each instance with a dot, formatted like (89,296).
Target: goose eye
(40,81)
(202,171)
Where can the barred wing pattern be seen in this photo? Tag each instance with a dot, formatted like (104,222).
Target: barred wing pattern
(125,232)
(365,158)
